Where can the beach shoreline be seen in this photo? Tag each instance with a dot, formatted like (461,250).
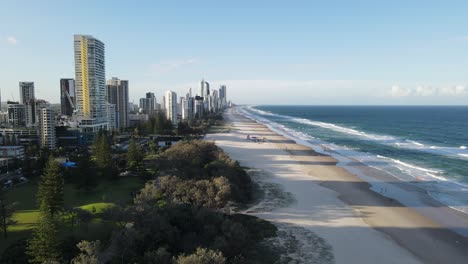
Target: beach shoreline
(361,225)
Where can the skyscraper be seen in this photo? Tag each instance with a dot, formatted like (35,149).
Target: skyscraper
(111,117)
(47,128)
(90,83)
(27,99)
(16,114)
(67,96)
(171,106)
(26,92)
(117,93)
(148,104)
(152,103)
(222,96)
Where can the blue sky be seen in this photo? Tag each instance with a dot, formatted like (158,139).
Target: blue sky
(267,52)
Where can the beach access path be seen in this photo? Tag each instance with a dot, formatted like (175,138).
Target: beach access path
(331,213)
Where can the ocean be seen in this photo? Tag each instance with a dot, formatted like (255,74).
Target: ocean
(424,145)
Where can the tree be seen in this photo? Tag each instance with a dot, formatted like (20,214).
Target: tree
(134,155)
(50,191)
(90,251)
(161,255)
(44,244)
(103,156)
(153,147)
(183,128)
(85,172)
(202,256)
(6,212)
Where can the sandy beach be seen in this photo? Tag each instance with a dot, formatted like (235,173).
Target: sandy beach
(331,215)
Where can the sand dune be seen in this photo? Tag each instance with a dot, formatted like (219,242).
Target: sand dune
(327,214)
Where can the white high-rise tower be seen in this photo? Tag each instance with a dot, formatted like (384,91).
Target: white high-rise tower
(171,106)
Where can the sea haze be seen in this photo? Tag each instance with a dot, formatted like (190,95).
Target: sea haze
(426,144)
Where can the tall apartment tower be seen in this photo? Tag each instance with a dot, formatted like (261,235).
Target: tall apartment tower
(171,106)
(27,98)
(67,96)
(222,96)
(152,103)
(117,94)
(16,114)
(111,117)
(47,128)
(90,83)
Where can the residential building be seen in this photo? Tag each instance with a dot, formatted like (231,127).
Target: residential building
(67,96)
(222,97)
(47,137)
(215,101)
(171,106)
(16,114)
(19,136)
(27,99)
(90,83)
(111,117)
(12,151)
(38,105)
(117,93)
(187,108)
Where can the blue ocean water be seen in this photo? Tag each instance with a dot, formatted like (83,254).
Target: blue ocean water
(413,143)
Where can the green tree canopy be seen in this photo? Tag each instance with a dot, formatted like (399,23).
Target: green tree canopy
(134,155)
(44,244)
(50,191)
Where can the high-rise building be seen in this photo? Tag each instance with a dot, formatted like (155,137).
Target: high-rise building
(16,114)
(27,99)
(67,96)
(215,101)
(222,96)
(204,88)
(47,137)
(187,108)
(152,103)
(111,117)
(148,104)
(198,110)
(90,83)
(26,92)
(117,93)
(38,105)
(171,106)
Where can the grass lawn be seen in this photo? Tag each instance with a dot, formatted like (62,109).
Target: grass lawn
(106,194)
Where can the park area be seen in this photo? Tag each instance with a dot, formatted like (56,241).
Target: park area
(106,194)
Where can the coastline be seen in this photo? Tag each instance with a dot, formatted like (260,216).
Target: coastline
(361,225)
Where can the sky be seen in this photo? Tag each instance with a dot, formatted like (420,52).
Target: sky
(266,52)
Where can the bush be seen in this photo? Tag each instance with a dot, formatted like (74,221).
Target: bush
(202,256)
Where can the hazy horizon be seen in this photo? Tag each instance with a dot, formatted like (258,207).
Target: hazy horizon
(307,53)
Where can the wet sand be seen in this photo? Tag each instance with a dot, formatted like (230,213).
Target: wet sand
(336,208)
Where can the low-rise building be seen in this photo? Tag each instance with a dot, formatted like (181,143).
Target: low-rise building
(12,152)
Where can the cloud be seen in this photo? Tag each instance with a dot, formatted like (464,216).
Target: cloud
(398,91)
(11,40)
(424,91)
(427,91)
(166,66)
(454,90)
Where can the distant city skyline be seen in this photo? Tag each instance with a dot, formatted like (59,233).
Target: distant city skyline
(303,52)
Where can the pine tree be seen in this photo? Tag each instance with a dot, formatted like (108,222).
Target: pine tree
(103,156)
(85,172)
(6,212)
(50,191)
(43,246)
(134,155)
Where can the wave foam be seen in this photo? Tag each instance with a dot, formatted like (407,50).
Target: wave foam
(453,152)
